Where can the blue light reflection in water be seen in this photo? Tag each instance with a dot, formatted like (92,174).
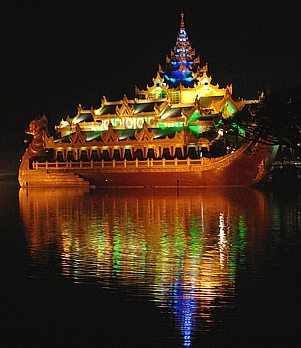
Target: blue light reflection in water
(182,252)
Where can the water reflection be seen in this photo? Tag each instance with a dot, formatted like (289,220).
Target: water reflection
(181,251)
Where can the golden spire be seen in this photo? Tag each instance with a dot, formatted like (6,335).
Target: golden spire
(182,25)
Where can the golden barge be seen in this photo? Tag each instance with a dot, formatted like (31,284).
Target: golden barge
(157,139)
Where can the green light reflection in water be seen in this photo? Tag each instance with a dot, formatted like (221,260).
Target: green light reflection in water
(183,252)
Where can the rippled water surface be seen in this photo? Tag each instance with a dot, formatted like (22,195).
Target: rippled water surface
(155,268)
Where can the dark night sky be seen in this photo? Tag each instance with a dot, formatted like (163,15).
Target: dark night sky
(56,54)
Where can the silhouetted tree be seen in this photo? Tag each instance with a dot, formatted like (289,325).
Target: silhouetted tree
(277,119)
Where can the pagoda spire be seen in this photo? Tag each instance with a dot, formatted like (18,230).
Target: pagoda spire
(183,52)
(182,61)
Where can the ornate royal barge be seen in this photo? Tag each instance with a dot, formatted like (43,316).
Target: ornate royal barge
(158,139)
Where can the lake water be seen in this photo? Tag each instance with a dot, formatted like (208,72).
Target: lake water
(149,268)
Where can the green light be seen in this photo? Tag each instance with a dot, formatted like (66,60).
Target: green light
(158,93)
(177,126)
(196,237)
(194,116)
(180,244)
(234,125)
(240,130)
(242,227)
(230,107)
(196,129)
(116,252)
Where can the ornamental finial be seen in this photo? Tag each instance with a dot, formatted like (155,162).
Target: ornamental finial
(182,20)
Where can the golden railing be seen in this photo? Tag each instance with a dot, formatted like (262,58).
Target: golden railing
(144,165)
(148,163)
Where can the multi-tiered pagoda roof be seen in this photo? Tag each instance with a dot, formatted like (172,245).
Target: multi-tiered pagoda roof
(181,95)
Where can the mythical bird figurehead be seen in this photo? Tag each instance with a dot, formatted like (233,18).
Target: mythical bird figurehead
(39,129)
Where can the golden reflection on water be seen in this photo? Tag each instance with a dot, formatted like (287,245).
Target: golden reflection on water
(181,250)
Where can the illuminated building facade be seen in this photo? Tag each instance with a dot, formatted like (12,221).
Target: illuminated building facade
(181,96)
(159,138)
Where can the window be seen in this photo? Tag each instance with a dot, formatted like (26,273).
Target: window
(175,97)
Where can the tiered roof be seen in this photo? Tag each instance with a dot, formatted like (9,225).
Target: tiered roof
(181,95)
(182,66)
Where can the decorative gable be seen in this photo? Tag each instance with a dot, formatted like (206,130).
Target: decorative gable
(110,136)
(184,137)
(159,89)
(158,80)
(227,105)
(78,138)
(125,109)
(145,134)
